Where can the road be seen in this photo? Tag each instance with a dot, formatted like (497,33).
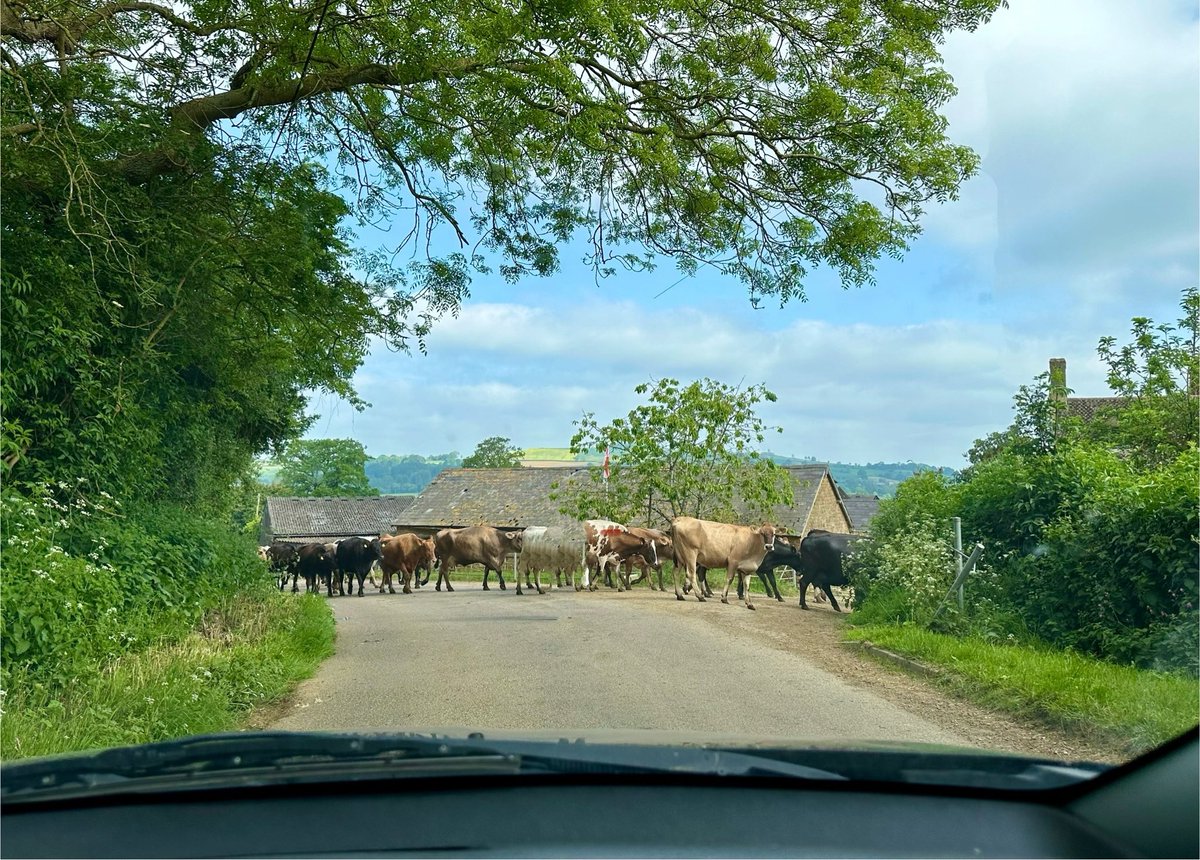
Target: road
(562,661)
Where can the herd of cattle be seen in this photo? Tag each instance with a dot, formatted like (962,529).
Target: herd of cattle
(611,550)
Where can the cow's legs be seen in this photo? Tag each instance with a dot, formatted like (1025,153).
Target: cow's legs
(803,587)
(443,576)
(406,578)
(832,600)
(500,576)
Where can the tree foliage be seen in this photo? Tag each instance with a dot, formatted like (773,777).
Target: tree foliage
(1090,529)
(1159,374)
(760,137)
(690,450)
(325,467)
(181,180)
(494,452)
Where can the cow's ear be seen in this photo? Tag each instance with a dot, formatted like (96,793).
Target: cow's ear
(511,535)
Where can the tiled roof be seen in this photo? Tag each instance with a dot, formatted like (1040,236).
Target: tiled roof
(496,497)
(1086,408)
(290,517)
(521,497)
(860,509)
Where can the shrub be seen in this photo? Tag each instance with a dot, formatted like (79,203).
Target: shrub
(86,580)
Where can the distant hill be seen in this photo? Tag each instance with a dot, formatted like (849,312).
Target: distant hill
(871,479)
(411,473)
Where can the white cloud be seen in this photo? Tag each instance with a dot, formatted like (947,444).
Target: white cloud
(1087,115)
(846,392)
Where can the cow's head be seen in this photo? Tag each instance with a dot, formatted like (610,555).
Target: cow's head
(768,536)
(264,552)
(515,540)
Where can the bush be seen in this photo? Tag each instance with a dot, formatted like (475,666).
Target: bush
(86,581)
(1082,551)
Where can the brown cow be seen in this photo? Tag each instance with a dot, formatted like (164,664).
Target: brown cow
(403,555)
(478,545)
(608,544)
(738,549)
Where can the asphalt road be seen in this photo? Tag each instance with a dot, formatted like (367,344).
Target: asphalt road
(563,661)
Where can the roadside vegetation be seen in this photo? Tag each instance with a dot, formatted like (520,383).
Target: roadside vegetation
(1084,607)
(126,624)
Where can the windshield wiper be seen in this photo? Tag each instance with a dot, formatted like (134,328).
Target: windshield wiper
(282,757)
(247,758)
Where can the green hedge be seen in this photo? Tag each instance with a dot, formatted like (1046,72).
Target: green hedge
(1083,551)
(86,581)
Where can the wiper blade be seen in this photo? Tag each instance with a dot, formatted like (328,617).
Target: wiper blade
(280,757)
(265,756)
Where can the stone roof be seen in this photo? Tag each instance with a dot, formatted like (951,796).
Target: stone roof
(1085,408)
(330,518)
(860,509)
(521,497)
(495,497)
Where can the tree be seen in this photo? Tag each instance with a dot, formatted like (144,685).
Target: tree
(325,467)
(762,138)
(1158,373)
(180,183)
(688,451)
(494,452)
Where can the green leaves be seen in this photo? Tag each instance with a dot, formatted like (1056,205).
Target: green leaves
(495,452)
(687,451)
(324,467)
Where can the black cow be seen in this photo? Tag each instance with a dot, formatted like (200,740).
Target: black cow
(821,555)
(316,565)
(282,557)
(354,559)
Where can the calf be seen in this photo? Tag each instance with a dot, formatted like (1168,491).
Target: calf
(608,544)
(738,549)
(477,545)
(662,549)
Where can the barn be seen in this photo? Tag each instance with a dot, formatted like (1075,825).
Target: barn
(522,498)
(504,498)
(301,520)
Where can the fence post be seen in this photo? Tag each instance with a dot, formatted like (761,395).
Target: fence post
(972,560)
(958,558)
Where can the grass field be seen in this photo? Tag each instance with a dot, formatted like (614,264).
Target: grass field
(563,454)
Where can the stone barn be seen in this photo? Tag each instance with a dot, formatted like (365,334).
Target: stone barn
(514,498)
(316,519)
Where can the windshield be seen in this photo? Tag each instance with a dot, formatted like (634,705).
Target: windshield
(768,377)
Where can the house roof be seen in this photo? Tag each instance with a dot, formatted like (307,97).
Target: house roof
(1086,408)
(521,497)
(291,517)
(860,509)
(497,497)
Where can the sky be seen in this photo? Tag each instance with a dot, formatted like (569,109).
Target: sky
(1084,214)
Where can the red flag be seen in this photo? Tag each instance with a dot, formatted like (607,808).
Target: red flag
(606,457)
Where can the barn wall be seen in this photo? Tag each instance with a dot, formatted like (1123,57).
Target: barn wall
(827,513)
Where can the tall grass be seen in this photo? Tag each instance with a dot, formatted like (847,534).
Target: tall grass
(1140,708)
(249,651)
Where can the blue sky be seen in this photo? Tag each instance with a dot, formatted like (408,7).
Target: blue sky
(1084,214)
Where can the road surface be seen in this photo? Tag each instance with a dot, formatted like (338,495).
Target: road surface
(562,661)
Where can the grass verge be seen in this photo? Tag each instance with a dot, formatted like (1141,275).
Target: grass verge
(250,651)
(1136,707)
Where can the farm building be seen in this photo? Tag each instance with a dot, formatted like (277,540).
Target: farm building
(325,519)
(521,497)
(860,509)
(502,497)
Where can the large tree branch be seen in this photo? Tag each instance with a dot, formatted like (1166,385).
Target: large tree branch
(68,34)
(197,115)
